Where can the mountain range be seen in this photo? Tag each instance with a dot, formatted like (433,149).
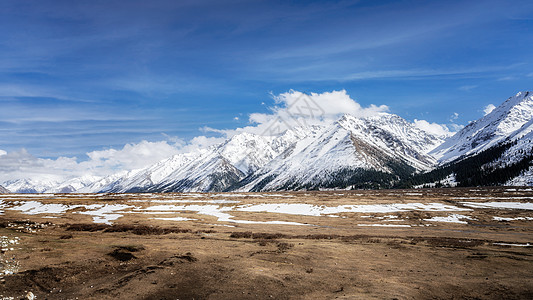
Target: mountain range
(378,151)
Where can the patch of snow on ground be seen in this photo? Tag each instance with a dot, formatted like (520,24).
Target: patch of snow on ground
(104,213)
(221,201)
(512,219)
(215,211)
(35,207)
(513,245)
(501,205)
(314,210)
(174,219)
(455,218)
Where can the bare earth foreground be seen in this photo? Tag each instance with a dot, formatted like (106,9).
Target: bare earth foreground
(404,244)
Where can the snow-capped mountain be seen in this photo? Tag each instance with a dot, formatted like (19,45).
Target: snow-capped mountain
(73,184)
(494,150)
(141,178)
(508,121)
(49,186)
(30,185)
(346,151)
(3,190)
(361,152)
(317,153)
(213,169)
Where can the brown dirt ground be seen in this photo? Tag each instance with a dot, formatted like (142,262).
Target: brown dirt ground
(141,258)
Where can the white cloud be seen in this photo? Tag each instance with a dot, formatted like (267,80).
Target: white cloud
(21,164)
(467,87)
(131,156)
(295,108)
(489,108)
(298,109)
(328,104)
(440,130)
(2,152)
(454,117)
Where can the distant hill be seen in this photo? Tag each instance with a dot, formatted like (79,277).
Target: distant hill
(3,190)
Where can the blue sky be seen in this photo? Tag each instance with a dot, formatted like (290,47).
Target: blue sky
(79,76)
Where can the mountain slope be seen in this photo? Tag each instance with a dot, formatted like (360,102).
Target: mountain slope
(212,169)
(504,122)
(3,190)
(494,150)
(352,152)
(142,178)
(73,184)
(30,185)
(385,144)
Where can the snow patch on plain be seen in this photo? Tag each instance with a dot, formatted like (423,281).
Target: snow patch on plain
(215,211)
(314,210)
(455,218)
(513,245)
(174,219)
(105,213)
(500,205)
(512,219)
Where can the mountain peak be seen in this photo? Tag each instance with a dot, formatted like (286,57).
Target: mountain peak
(506,120)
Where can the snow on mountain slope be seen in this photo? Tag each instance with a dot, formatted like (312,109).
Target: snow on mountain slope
(73,184)
(504,122)
(310,152)
(3,190)
(348,145)
(524,179)
(522,148)
(217,167)
(209,172)
(397,136)
(420,140)
(30,185)
(226,164)
(104,184)
(141,178)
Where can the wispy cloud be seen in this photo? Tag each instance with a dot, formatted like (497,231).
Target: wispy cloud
(506,78)
(467,87)
(454,117)
(412,74)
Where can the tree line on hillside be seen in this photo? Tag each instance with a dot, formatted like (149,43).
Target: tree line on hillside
(473,170)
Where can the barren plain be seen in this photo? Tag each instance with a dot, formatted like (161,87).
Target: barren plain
(468,243)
